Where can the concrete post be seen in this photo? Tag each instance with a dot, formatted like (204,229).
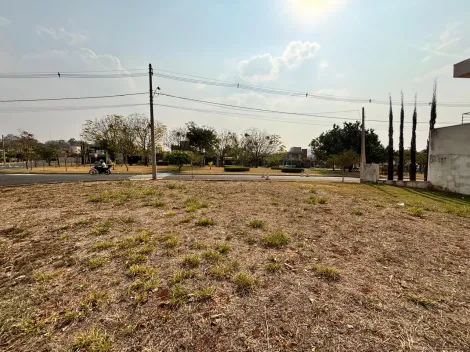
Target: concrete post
(363,147)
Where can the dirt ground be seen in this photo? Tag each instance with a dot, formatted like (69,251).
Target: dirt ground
(233,266)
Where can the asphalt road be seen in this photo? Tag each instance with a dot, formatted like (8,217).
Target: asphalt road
(28,179)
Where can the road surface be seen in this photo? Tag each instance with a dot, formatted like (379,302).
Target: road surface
(28,179)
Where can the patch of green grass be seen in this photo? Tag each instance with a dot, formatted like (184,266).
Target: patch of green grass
(204,294)
(312,190)
(418,212)
(45,276)
(191,261)
(198,245)
(156,203)
(178,295)
(181,275)
(224,271)
(326,272)
(192,204)
(170,240)
(136,258)
(24,233)
(142,270)
(422,301)
(134,240)
(251,239)
(94,300)
(170,213)
(128,219)
(311,200)
(81,222)
(205,222)
(223,248)
(69,316)
(256,224)
(244,282)
(96,262)
(322,200)
(357,212)
(101,245)
(64,236)
(102,229)
(145,249)
(212,256)
(144,284)
(273,267)
(172,185)
(93,340)
(276,239)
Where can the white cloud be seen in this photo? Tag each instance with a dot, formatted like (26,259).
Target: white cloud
(340,75)
(62,34)
(265,67)
(448,38)
(323,65)
(4,21)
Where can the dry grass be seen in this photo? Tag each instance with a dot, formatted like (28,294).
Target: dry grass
(128,277)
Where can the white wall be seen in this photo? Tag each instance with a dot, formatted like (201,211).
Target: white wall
(449,158)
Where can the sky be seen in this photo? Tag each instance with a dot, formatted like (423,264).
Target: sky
(345,48)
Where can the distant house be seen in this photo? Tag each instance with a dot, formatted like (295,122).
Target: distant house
(296,156)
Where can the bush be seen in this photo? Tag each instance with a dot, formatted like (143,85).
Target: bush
(236,168)
(293,170)
(276,167)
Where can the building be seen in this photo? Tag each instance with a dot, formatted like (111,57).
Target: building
(449,158)
(462,69)
(296,156)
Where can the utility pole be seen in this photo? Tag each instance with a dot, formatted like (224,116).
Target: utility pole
(363,146)
(152,127)
(3,148)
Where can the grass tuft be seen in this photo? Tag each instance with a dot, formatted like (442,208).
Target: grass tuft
(273,267)
(181,275)
(136,258)
(357,212)
(311,200)
(156,203)
(326,272)
(205,222)
(256,224)
(178,295)
(422,301)
(223,248)
(204,294)
(142,270)
(102,229)
(93,340)
(170,240)
(225,271)
(276,239)
(94,300)
(211,256)
(191,261)
(94,263)
(244,282)
(418,212)
(192,204)
(322,200)
(101,245)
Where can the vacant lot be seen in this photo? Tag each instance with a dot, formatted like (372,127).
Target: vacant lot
(200,266)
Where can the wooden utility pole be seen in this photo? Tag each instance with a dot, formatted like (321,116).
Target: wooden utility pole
(152,127)
(363,146)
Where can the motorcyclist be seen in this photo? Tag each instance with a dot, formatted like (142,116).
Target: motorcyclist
(103,164)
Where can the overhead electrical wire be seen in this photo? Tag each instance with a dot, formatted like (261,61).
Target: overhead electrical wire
(72,98)
(14,109)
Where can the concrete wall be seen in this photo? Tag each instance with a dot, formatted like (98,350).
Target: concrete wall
(371,173)
(449,158)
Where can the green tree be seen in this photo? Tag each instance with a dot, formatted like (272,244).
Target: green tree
(346,159)
(27,143)
(224,143)
(390,142)
(178,157)
(401,147)
(432,123)
(259,144)
(201,139)
(45,152)
(413,145)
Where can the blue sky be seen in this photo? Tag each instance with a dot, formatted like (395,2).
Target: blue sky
(343,48)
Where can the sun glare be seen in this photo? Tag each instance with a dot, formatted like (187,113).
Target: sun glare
(308,10)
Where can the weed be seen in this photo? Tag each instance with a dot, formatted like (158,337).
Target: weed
(276,239)
(193,204)
(136,258)
(103,245)
(181,275)
(152,191)
(211,256)
(204,294)
(134,240)
(93,340)
(191,261)
(223,248)
(83,221)
(256,224)
(221,272)
(170,213)
(64,236)
(244,282)
(144,284)
(273,267)
(94,300)
(322,200)
(32,325)
(311,200)
(178,295)
(102,229)
(170,240)
(250,239)
(198,245)
(422,301)
(357,212)
(171,185)
(45,276)
(128,220)
(326,272)
(94,263)
(142,270)
(418,212)
(156,203)
(312,190)
(205,222)
(69,316)
(146,249)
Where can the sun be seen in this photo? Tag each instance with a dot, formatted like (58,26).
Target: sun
(311,10)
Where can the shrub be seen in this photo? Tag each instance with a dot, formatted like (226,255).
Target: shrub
(292,170)
(205,222)
(276,239)
(244,282)
(256,224)
(326,272)
(236,168)
(276,167)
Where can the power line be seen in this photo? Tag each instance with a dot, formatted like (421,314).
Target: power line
(71,98)
(9,110)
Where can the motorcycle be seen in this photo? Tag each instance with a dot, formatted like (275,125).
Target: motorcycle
(95,170)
